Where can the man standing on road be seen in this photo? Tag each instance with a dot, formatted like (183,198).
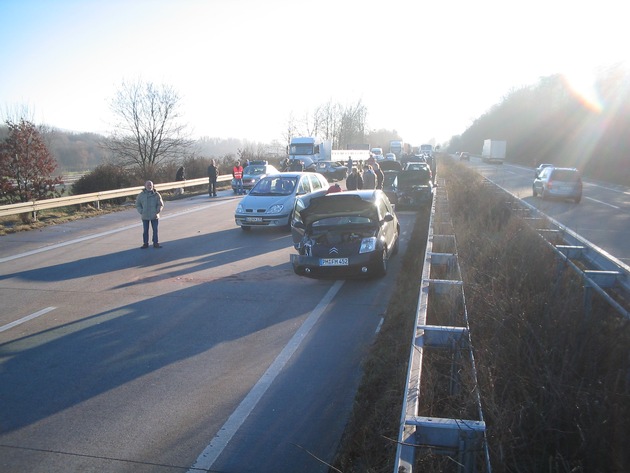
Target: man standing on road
(237,174)
(149,204)
(213,173)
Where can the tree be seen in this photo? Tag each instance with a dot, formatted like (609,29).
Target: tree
(26,165)
(148,133)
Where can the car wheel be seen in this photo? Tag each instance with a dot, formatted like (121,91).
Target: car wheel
(246,228)
(578,199)
(381,268)
(288,225)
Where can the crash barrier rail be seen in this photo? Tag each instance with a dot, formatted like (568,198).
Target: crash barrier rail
(441,296)
(601,273)
(97,197)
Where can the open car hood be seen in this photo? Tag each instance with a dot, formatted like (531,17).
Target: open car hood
(338,205)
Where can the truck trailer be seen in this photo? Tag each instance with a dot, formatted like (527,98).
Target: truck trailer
(493,151)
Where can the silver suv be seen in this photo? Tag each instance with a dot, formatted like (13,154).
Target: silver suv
(560,183)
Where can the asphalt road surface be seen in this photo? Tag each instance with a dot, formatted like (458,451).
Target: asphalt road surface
(208,354)
(602,217)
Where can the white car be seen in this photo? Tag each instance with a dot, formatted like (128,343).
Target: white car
(270,202)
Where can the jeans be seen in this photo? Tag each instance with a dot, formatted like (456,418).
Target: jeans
(239,186)
(145,232)
(212,187)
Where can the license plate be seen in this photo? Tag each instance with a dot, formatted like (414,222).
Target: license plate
(253,219)
(333,262)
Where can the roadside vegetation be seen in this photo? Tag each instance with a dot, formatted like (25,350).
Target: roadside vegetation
(554,380)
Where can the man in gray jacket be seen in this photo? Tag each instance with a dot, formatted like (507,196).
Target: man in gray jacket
(149,204)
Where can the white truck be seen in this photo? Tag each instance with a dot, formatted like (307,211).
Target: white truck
(397,147)
(493,151)
(309,147)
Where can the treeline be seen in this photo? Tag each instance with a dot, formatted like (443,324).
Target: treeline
(550,123)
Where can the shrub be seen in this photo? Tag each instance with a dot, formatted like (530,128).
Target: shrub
(105,177)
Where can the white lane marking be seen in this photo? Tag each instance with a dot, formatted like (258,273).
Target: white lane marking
(247,405)
(603,203)
(380,324)
(109,232)
(26,319)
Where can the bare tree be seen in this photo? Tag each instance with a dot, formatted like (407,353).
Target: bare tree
(148,133)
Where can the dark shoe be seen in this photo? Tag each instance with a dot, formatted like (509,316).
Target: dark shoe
(145,246)
(157,245)
(214,195)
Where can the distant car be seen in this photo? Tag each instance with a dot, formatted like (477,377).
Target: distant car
(415,185)
(252,174)
(270,202)
(377,153)
(540,168)
(464,156)
(352,233)
(391,169)
(390,157)
(559,183)
(332,170)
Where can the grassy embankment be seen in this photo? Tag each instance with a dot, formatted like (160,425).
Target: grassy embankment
(554,381)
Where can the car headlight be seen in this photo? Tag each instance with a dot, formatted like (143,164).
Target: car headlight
(239,209)
(367,245)
(275,209)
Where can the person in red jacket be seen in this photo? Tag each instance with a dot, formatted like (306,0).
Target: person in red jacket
(237,174)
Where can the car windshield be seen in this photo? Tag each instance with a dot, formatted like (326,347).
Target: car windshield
(254,170)
(301,149)
(341,220)
(274,185)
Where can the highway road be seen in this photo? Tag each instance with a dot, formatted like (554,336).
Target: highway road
(208,354)
(602,217)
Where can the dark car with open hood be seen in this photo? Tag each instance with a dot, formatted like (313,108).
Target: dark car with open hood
(351,233)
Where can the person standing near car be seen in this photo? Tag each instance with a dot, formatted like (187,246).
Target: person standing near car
(149,204)
(380,177)
(213,173)
(369,178)
(354,181)
(237,174)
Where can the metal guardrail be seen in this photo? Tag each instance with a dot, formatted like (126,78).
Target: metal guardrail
(601,272)
(38,205)
(441,290)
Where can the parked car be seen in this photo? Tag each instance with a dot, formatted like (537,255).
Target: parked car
(391,169)
(559,183)
(390,157)
(252,174)
(352,233)
(464,156)
(540,168)
(332,170)
(415,185)
(270,202)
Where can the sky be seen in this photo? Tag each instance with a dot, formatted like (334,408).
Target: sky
(244,68)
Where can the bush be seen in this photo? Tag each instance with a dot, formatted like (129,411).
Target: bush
(105,177)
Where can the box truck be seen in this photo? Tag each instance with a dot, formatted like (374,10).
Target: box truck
(493,151)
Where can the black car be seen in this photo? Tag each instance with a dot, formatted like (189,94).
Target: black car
(415,185)
(331,170)
(352,233)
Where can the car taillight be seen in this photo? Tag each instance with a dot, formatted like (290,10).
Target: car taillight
(549,184)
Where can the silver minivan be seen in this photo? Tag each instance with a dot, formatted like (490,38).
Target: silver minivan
(270,202)
(560,183)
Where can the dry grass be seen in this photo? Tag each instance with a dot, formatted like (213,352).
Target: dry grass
(554,381)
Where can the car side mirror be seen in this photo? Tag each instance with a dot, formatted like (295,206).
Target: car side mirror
(388,218)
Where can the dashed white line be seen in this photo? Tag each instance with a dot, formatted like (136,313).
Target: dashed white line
(26,319)
(603,203)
